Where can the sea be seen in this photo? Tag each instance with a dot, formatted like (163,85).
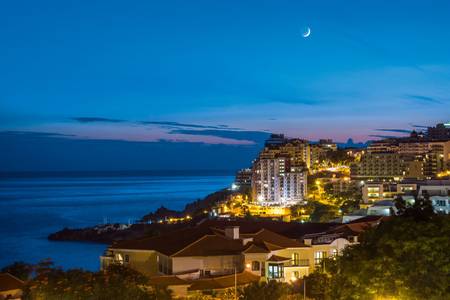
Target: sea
(33,205)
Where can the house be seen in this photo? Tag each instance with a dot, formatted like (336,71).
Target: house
(216,255)
(10,287)
(333,241)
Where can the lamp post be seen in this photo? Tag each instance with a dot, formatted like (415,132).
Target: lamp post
(235,283)
(304,288)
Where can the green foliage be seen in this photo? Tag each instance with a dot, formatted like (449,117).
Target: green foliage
(338,156)
(322,212)
(405,257)
(117,282)
(421,209)
(19,269)
(266,291)
(317,285)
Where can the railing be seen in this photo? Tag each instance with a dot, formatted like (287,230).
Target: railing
(298,263)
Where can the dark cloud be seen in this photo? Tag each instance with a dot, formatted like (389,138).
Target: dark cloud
(423,99)
(163,124)
(394,130)
(255,136)
(186,125)
(96,119)
(34,134)
(420,126)
(384,136)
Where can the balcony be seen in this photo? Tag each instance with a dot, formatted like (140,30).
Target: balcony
(298,263)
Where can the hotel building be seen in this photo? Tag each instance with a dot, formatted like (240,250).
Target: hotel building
(279,173)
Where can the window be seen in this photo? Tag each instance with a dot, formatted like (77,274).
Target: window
(334,252)
(276,271)
(319,256)
(119,258)
(255,265)
(295,259)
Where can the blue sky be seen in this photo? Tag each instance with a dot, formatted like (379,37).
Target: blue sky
(143,70)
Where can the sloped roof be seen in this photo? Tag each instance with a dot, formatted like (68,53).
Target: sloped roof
(276,258)
(167,244)
(293,230)
(223,282)
(254,248)
(10,282)
(211,245)
(206,240)
(167,280)
(274,239)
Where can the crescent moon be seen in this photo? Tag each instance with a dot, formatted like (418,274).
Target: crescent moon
(307,33)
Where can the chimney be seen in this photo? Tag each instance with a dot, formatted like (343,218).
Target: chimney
(232,232)
(307,242)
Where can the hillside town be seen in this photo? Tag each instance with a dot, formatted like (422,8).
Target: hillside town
(299,205)
(298,223)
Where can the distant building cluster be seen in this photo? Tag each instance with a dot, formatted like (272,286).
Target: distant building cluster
(279,176)
(419,156)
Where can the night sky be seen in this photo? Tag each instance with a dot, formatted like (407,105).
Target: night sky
(191,76)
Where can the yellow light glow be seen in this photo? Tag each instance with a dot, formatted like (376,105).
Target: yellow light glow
(248,266)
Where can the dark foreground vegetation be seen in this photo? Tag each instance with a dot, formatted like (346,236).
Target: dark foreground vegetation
(406,257)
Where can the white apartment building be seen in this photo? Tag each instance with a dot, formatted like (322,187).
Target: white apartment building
(276,183)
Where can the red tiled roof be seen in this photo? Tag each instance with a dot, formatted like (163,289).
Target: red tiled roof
(291,230)
(211,245)
(208,238)
(269,237)
(167,244)
(10,282)
(254,248)
(167,280)
(223,282)
(277,258)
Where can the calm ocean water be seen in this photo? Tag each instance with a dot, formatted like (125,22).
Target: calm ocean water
(33,207)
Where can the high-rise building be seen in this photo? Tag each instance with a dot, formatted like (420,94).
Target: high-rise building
(383,146)
(276,182)
(243,177)
(378,165)
(280,171)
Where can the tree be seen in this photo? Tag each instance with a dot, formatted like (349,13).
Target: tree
(19,269)
(421,209)
(272,290)
(405,257)
(322,212)
(117,282)
(317,285)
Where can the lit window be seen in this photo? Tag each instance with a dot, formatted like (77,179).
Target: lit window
(319,256)
(276,271)
(255,265)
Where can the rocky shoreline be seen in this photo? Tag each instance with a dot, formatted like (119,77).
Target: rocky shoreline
(151,224)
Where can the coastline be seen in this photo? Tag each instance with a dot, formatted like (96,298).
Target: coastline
(148,225)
